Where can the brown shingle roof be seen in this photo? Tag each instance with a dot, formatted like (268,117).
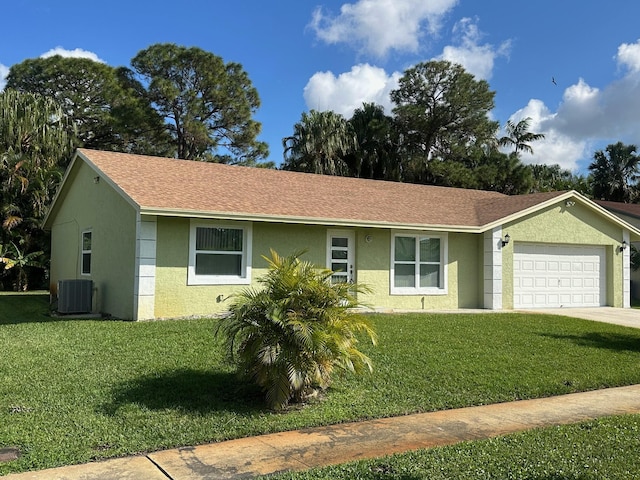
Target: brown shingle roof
(631,209)
(171,186)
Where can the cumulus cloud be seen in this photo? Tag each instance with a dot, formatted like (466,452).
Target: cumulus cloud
(629,55)
(477,59)
(347,91)
(378,26)
(557,147)
(4,71)
(588,116)
(75,53)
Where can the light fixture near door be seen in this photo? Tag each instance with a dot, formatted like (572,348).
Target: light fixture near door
(368,238)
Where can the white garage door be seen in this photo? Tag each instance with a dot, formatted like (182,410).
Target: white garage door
(550,276)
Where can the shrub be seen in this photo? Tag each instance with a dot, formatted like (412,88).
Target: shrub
(290,335)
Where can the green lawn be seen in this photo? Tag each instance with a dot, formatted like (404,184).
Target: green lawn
(595,450)
(76,390)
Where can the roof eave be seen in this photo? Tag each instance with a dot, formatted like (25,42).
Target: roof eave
(338,222)
(565,196)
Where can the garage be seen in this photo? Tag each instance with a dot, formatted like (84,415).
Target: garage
(552,276)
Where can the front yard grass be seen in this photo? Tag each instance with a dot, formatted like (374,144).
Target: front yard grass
(600,449)
(72,391)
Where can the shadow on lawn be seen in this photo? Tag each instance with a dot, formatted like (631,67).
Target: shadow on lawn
(611,341)
(189,390)
(27,307)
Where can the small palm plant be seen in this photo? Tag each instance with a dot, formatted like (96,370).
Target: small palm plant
(291,335)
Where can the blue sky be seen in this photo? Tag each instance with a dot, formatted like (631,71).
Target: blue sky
(334,55)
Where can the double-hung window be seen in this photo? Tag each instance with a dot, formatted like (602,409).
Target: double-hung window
(85,256)
(219,254)
(418,264)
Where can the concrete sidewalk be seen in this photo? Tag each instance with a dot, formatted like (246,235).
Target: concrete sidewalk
(304,449)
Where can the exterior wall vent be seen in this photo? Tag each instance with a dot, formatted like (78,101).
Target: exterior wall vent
(75,296)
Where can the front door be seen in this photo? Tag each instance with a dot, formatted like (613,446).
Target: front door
(340,255)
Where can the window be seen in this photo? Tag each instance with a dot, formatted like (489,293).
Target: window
(219,254)
(86,253)
(417,264)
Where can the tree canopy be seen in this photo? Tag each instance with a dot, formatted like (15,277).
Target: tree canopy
(208,104)
(319,144)
(615,173)
(35,143)
(104,104)
(441,111)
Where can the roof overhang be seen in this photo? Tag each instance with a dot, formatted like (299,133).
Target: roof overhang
(569,195)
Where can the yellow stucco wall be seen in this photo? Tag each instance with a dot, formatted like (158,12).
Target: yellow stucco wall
(561,225)
(372,259)
(175,298)
(97,207)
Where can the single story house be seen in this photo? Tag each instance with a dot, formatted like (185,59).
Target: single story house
(160,237)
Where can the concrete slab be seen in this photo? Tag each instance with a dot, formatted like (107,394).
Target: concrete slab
(627,317)
(129,468)
(335,444)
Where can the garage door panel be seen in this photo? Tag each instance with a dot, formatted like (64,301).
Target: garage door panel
(548,275)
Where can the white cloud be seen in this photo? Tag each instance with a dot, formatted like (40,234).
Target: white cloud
(348,91)
(588,116)
(75,53)
(475,58)
(629,55)
(556,147)
(379,26)
(4,71)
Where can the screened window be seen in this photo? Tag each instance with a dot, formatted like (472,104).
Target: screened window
(418,264)
(219,254)
(86,253)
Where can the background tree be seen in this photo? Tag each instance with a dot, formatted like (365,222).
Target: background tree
(290,336)
(35,145)
(319,144)
(376,145)
(441,111)
(553,178)
(519,136)
(105,105)
(208,104)
(614,173)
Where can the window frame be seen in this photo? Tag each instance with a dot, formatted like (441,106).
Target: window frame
(244,278)
(442,288)
(84,252)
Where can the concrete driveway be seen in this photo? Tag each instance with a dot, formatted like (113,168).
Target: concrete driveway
(628,317)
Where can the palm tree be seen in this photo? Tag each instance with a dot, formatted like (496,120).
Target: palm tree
(19,260)
(615,173)
(319,144)
(375,155)
(291,335)
(548,178)
(518,135)
(34,146)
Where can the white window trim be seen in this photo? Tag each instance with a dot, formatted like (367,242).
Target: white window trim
(247,240)
(83,252)
(444,255)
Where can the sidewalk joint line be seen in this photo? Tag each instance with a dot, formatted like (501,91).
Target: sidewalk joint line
(164,472)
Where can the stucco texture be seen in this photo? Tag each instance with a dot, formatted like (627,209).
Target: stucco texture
(559,224)
(174,298)
(372,259)
(91,204)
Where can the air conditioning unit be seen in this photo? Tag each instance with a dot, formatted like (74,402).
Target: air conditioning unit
(75,296)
